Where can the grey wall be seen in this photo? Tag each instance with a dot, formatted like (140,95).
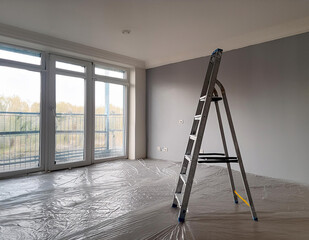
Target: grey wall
(268,90)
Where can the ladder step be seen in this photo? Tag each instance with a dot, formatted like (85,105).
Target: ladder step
(179,197)
(217,161)
(215,158)
(215,154)
(216,99)
(193,137)
(188,157)
(184,178)
(213,99)
(219,158)
(197,117)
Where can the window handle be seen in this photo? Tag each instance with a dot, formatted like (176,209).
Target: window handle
(53,110)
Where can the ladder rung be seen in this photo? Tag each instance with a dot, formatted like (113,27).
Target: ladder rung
(197,117)
(209,154)
(216,99)
(184,178)
(188,157)
(193,137)
(179,197)
(213,99)
(217,160)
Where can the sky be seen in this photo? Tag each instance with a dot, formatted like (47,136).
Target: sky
(22,83)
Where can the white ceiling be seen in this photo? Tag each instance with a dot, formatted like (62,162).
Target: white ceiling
(162,31)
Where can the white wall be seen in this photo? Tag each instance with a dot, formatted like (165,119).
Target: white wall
(137,114)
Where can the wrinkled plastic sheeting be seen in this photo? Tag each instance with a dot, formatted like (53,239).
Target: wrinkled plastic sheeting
(132,200)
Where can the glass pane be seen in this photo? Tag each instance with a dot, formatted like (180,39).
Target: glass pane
(109,72)
(19,119)
(70,67)
(14,54)
(69,119)
(109,120)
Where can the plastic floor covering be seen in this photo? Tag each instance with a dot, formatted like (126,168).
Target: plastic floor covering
(127,199)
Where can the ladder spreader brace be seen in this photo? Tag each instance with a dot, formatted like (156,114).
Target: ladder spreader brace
(193,156)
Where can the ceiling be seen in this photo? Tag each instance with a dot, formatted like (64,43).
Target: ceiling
(162,31)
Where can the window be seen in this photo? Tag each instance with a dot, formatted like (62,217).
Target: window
(109,120)
(19,55)
(20,104)
(67,114)
(110,72)
(69,119)
(110,112)
(70,67)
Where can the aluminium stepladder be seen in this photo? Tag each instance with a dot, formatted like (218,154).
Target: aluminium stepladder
(192,156)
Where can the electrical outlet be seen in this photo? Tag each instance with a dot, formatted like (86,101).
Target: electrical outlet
(159,148)
(181,121)
(164,149)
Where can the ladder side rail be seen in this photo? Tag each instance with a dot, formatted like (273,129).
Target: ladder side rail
(207,76)
(216,58)
(237,150)
(225,148)
(194,129)
(183,170)
(200,105)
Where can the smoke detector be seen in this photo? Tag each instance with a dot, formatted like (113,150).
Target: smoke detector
(126,32)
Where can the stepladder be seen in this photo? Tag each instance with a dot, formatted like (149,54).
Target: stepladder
(212,92)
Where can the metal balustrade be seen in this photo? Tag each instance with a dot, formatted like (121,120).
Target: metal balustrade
(20,138)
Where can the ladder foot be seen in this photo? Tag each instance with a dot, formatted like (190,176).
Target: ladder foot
(181,220)
(174,205)
(255,219)
(236,201)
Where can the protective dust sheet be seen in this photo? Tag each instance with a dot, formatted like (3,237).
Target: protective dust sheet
(132,200)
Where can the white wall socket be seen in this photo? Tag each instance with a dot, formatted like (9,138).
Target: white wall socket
(181,121)
(159,148)
(164,149)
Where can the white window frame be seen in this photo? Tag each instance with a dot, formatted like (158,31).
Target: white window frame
(43,127)
(47,106)
(52,109)
(119,81)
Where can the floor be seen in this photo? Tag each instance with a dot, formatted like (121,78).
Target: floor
(127,199)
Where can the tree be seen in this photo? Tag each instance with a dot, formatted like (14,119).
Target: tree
(35,107)
(13,104)
(64,107)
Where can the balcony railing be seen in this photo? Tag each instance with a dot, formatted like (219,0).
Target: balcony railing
(20,138)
